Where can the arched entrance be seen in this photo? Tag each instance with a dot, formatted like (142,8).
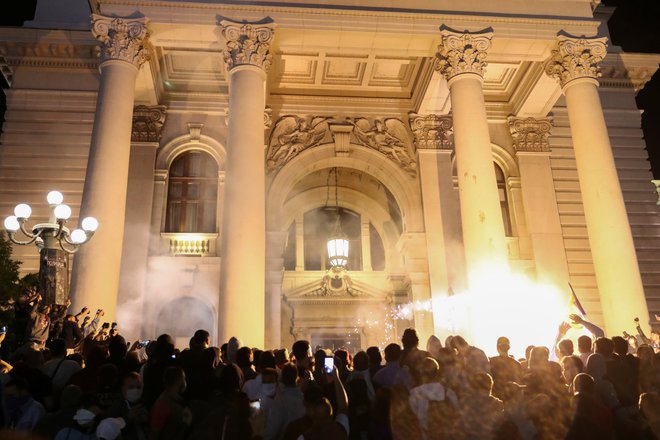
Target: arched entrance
(181,317)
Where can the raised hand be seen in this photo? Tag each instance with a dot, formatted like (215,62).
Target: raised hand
(577,319)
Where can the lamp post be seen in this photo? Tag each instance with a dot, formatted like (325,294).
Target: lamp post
(54,241)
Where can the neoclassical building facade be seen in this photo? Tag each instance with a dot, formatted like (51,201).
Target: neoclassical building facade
(218,145)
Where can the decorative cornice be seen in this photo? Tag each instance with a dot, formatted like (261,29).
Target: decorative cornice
(247,43)
(122,39)
(576,58)
(148,123)
(462,52)
(432,132)
(530,135)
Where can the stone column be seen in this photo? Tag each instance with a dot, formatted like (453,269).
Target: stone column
(365,241)
(242,277)
(461,60)
(433,142)
(300,242)
(95,277)
(147,126)
(575,64)
(274,276)
(530,142)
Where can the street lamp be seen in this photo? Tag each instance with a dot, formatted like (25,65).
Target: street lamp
(337,243)
(54,241)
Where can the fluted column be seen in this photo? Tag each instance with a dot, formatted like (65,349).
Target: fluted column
(575,63)
(95,277)
(530,142)
(242,277)
(461,60)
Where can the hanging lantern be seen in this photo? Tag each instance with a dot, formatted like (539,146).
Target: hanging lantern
(338,248)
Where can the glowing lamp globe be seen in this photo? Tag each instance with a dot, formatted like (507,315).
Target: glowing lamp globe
(54,198)
(78,236)
(90,224)
(338,252)
(62,212)
(23,211)
(11,223)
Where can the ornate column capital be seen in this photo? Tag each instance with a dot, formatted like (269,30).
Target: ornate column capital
(530,135)
(432,132)
(121,39)
(148,123)
(462,52)
(576,58)
(247,43)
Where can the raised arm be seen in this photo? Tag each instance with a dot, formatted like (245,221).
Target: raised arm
(593,328)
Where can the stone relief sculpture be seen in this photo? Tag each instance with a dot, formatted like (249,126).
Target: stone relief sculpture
(291,135)
(389,137)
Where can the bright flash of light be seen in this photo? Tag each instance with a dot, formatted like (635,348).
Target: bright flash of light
(501,303)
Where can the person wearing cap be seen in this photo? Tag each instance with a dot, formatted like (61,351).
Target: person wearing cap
(503,367)
(110,428)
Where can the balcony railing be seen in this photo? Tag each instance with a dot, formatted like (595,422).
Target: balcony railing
(189,244)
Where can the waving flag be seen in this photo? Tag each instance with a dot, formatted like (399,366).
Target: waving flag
(575,302)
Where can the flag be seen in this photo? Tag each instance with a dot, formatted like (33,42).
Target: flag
(575,302)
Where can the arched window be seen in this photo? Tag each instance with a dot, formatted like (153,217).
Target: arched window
(192,193)
(504,201)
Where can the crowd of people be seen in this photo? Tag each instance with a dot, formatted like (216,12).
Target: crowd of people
(71,377)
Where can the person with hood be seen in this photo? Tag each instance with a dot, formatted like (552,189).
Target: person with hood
(434,405)
(603,388)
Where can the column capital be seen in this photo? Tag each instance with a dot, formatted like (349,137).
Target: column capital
(123,39)
(247,43)
(432,132)
(462,52)
(575,58)
(148,123)
(530,135)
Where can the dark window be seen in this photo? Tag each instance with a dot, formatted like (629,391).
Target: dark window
(192,193)
(377,249)
(504,200)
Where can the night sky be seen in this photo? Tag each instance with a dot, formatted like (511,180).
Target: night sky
(635,25)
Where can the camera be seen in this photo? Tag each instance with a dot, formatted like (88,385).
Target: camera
(3,329)
(636,319)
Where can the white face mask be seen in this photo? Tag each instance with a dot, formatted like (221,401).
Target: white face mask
(268,389)
(133,394)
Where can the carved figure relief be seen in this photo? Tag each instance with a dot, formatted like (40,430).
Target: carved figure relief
(389,137)
(291,135)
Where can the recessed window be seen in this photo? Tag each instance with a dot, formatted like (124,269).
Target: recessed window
(504,200)
(192,193)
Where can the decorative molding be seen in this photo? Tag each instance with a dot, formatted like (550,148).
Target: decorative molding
(268,120)
(195,130)
(618,76)
(6,70)
(576,58)
(530,134)
(247,43)
(389,137)
(432,132)
(148,123)
(293,134)
(122,39)
(336,282)
(462,52)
